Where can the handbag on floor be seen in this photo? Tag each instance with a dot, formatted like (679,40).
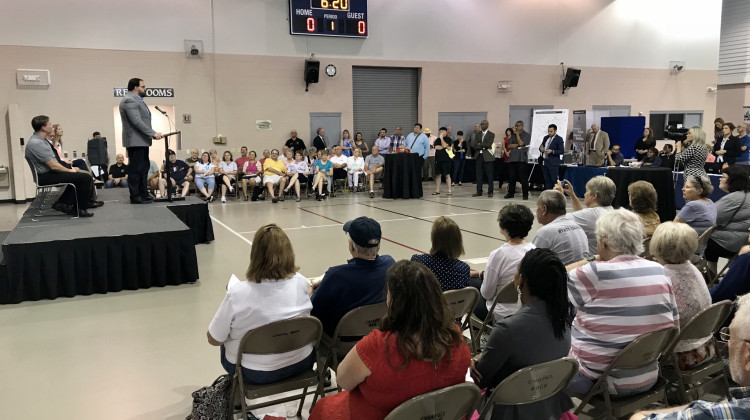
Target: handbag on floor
(214,401)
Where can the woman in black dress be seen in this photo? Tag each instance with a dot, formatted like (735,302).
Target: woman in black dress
(644,143)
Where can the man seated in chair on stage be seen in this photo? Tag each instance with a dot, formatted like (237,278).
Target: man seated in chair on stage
(359,282)
(738,406)
(51,170)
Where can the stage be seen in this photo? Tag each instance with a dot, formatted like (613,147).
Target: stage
(123,247)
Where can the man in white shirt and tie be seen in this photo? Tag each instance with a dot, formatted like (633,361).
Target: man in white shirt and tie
(597,143)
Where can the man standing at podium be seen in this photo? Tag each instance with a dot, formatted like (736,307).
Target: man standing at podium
(136,138)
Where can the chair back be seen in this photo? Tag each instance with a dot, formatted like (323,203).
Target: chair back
(507,294)
(360,321)
(450,403)
(281,336)
(646,251)
(462,301)
(644,350)
(705,236)
(533,383)
(706,322)
(33,170)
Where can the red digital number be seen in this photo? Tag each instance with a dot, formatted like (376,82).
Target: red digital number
(310,25)
(361,27)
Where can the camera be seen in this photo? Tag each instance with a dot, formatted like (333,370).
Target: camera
(674,133)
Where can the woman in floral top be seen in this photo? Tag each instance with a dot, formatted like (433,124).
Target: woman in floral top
(298,172)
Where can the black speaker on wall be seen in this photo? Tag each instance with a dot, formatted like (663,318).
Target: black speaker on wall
(571,78)
(312,71)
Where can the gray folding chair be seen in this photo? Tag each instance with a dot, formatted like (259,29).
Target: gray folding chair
(354,326)
(645,350)
(698,259)
(450,403)
(45,197)
(274,338)
(507,294)
(688,381)
(462,302)
(532,384)
(646,251)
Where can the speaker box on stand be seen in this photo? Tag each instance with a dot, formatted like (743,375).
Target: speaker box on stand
(96,149)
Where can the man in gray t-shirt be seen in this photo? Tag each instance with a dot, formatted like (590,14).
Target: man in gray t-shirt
(374,167)
(560,234)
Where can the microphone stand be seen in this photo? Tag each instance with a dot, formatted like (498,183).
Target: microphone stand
(168,170)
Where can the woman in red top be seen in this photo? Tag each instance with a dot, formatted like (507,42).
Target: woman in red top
(417,349)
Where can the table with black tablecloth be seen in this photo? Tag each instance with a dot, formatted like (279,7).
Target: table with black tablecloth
(402,175)
(660,178)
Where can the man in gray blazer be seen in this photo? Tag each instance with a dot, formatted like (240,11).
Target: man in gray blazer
(136,138)
(485,158)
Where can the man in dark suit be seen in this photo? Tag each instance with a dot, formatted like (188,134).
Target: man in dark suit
(485,158)
(136,138)
(319,142)
(552,150)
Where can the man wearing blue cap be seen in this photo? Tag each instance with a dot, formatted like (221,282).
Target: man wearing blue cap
(359,282)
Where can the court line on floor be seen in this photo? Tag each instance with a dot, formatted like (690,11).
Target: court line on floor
(430,221)
(383,238)
(234,232)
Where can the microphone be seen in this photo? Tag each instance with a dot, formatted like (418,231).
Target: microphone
(159,109)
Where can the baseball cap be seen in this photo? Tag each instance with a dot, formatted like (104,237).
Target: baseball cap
(364,231)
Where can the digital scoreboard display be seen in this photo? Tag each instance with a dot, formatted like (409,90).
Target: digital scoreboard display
(346,18)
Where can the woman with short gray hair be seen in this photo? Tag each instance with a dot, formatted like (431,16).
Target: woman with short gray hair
(600,192)
(672,246)
(699,211)
(618,296)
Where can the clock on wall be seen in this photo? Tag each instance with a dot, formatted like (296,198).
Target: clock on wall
(331,70)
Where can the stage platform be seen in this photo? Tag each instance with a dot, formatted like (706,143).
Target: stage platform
(123,247)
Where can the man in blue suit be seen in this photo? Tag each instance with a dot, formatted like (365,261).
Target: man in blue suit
(136,138)
(552,149)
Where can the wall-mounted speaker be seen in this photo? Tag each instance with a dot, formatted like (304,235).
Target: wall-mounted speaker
(312,71)
(571,78)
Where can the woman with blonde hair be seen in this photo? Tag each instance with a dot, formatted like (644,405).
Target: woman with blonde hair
(643,199)
(443,259)
(695,153)
(672,246)
(271,278)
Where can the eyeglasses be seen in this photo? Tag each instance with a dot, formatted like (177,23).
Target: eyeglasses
(724,335)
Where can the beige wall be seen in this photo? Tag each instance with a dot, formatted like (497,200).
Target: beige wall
(249,88)
(730,100)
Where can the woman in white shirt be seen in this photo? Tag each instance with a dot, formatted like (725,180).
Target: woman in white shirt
(355,166)
(204,176)
(298,171)
(515,222)
(272,291)
(226,175)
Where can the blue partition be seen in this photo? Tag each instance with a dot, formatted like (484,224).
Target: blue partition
(624,131)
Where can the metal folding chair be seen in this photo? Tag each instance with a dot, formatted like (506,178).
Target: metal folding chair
(451,403)
(44,196)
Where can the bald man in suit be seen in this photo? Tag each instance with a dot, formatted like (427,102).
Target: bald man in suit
(597,145)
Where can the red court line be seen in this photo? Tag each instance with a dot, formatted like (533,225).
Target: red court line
(383,238)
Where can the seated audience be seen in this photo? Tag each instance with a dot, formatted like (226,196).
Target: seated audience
(355,166)
(601,288)
(295,143)
(538,332)
(339,161)
(614,157)
(204,176)
(118,173)
(558,233)
(273,275)
(447,247)
(737,337)
(240,161)
(288,157)
(251,170)
(266,155)
(600,192)
(732,217)
(51,170)
(672,246)
(735,281)
(642,196)
(154,179)
(226,173)
(744,157)
(667,156)
(382,142)
(359,282)
(411,353)
(374,168)
(274,173)
(699,211)
(178,176)
(360,144)
(652,158)
(323,172)
(515,221)
(298,172)
(214,157)
(193,159)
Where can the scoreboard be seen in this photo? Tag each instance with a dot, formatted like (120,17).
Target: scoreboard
(347,18)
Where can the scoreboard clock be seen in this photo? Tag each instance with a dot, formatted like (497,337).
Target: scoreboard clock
(347,18)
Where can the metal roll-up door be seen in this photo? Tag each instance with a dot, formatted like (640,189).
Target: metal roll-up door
(384,97)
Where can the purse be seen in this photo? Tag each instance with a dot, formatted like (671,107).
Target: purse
(214,401)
